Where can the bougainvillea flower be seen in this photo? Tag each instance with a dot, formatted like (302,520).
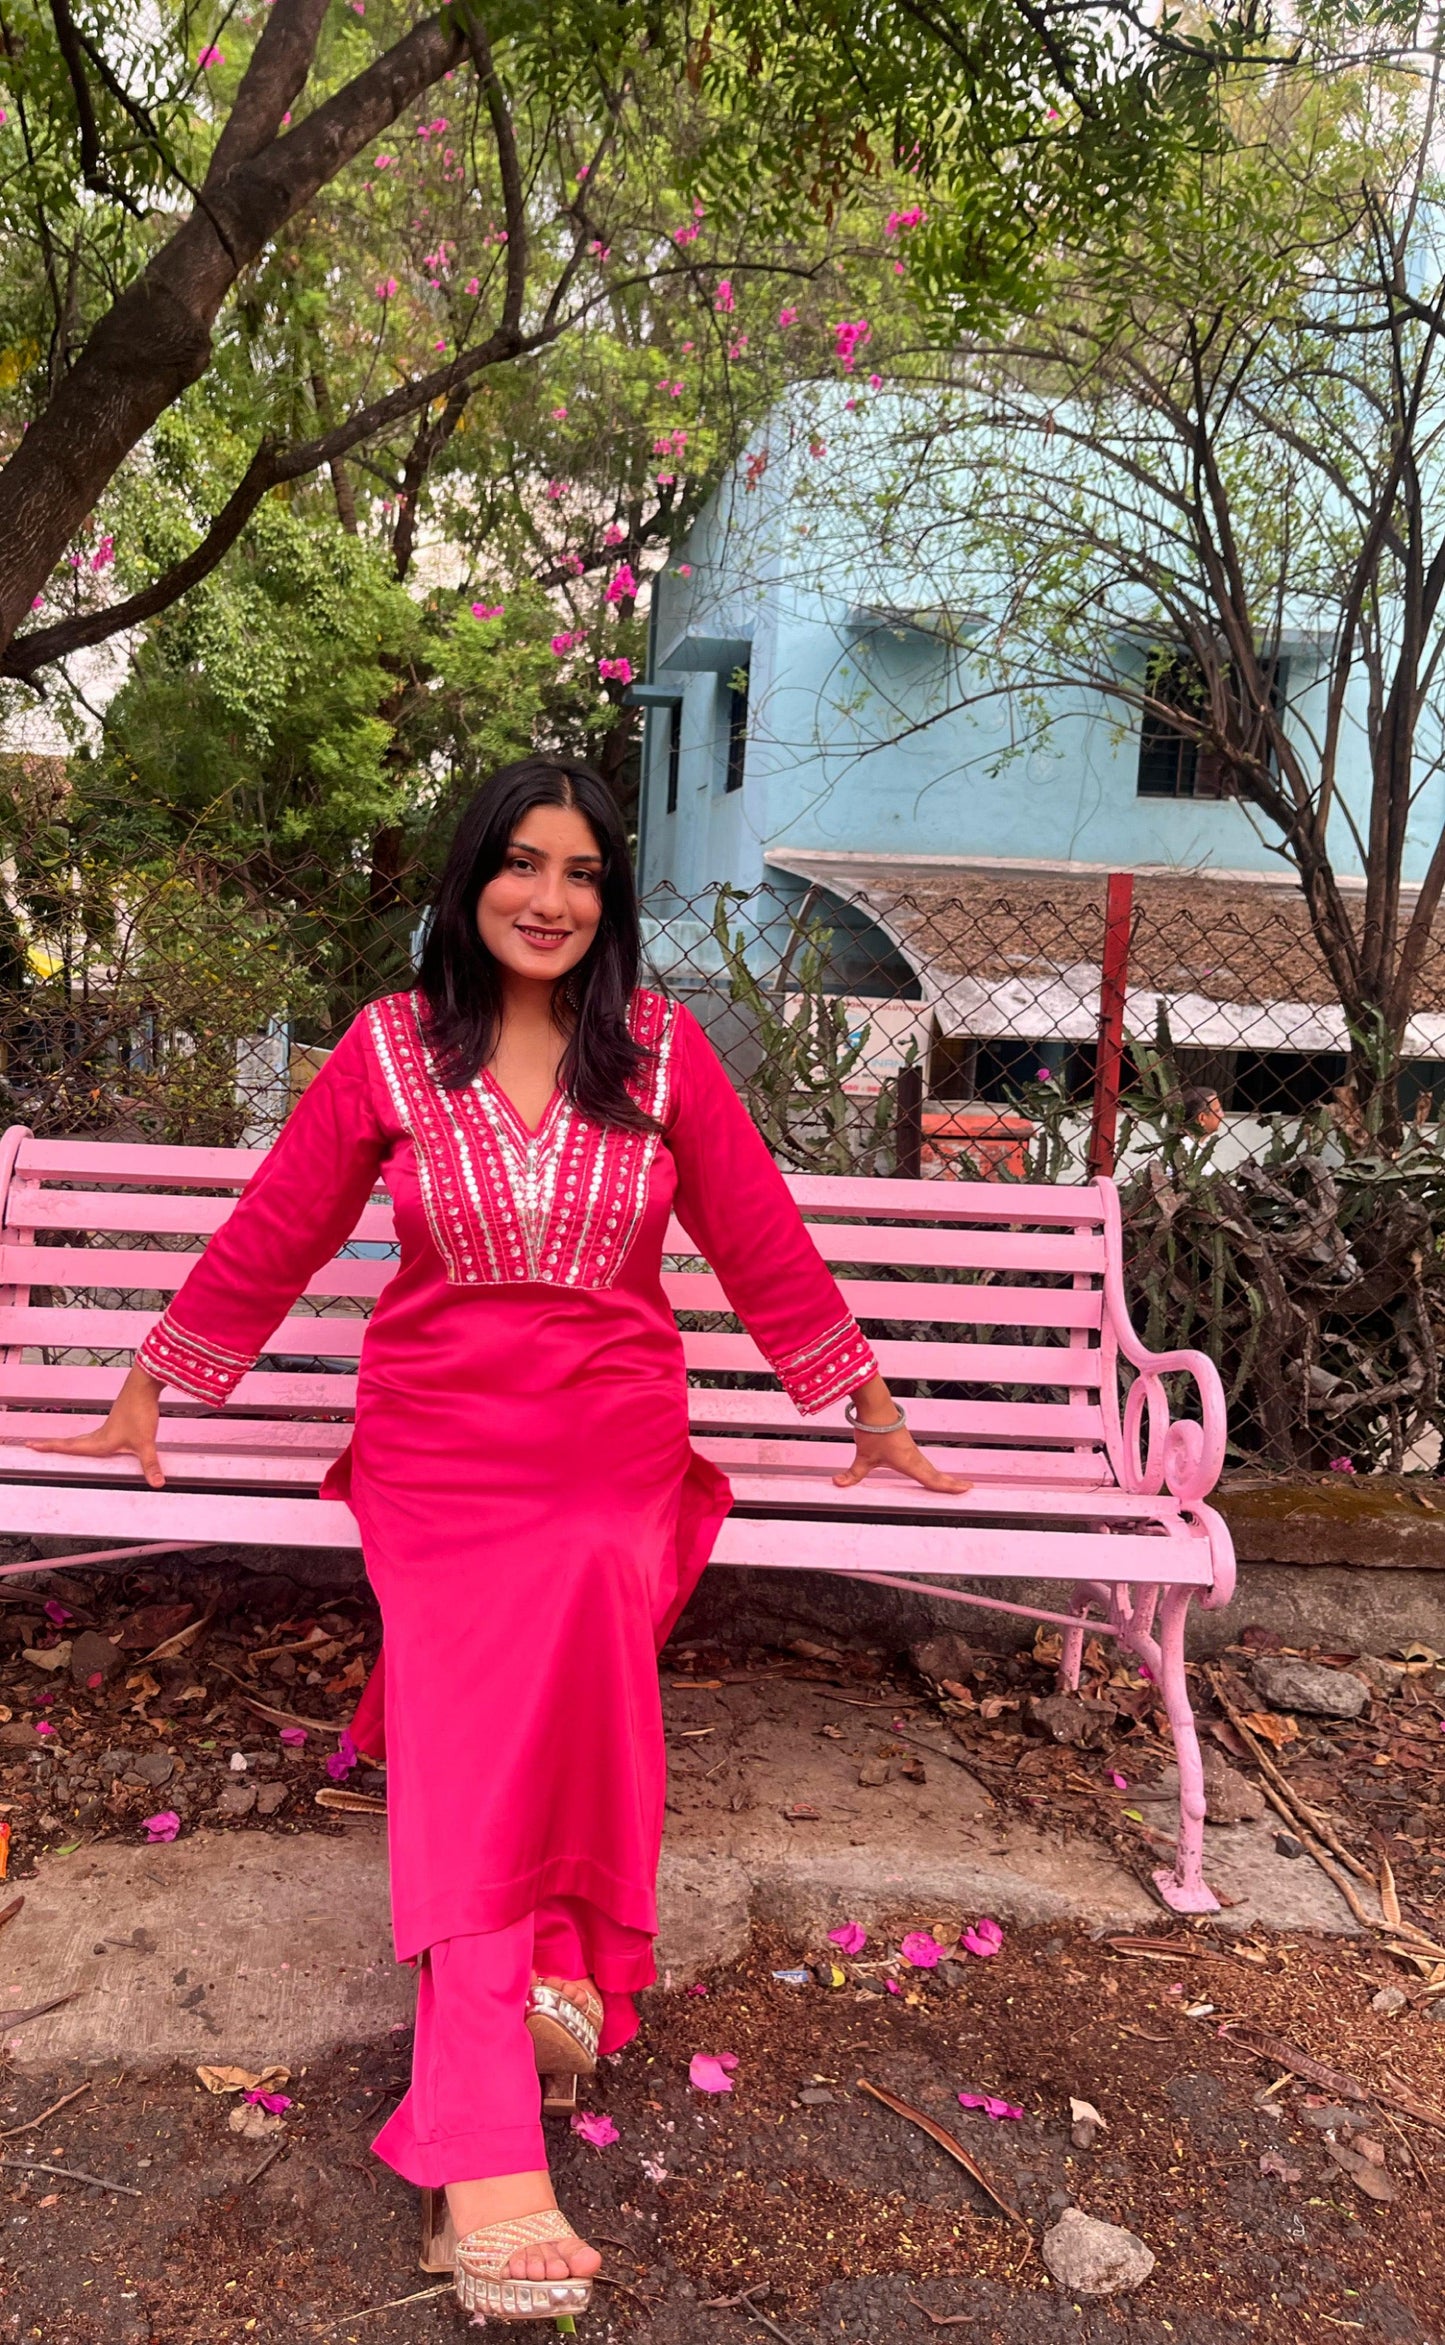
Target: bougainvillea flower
(850,1936)
(618,671)
(54,1611)
(165,1826)
(1120,1782)
(922,1950)
(294,1737)
(274,2104)
(613,534)
(707,2072)
(488,610)
(992,2108)
(622,587)
(343,1758)
(1342,1465)
(208,57)
(562,644)
(386,288)
(984,1939)
(599,2131)
(723,298)
(787,317)
(898,221)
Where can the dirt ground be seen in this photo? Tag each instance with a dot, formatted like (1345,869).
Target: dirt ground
(797,2206)
(133,1694)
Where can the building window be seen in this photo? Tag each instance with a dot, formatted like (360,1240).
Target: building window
(674,754)
(1172,763)
(737,743)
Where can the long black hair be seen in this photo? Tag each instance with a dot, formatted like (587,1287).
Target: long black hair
(461,983)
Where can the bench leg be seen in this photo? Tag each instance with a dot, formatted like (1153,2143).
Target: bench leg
(1183,1886)
(1071,1656)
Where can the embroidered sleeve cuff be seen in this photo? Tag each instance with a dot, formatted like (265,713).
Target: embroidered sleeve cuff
(825,1369)
(207,1371)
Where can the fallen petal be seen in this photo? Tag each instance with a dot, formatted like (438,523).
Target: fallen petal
(922,1950)
(992,2107)
(984,1939)
(165,1826)
(707,2072)
(598,2130)
(852,1937)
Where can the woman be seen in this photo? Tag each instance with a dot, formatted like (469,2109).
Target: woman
(532,1514)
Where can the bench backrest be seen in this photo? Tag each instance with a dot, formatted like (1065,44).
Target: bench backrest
(989,1295)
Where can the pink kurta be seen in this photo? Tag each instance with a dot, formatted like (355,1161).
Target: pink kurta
(533,1515)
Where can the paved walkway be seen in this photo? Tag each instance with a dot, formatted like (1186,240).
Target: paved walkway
(250,1947)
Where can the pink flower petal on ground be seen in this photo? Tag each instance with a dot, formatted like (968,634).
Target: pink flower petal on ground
(57,1613)
(43,1726)
(294,1737)
(984,1939)
(892,1987)
(165,1826)
(599,2131)
(343,1758)
(273,2103)
(852,1937)
(992,2108)
(707,2072)
(698,1987)
(921,1949)
(1120,1782)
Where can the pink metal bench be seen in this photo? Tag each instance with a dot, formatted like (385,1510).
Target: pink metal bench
(1016,1291)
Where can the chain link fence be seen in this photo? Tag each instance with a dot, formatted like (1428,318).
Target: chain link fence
(938,1031)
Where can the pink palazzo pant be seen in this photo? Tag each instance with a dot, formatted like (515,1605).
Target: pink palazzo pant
(474,2106)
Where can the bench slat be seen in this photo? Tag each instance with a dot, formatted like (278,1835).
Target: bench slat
(959,1552)
(136,1270)
(956,1551)
(148,1214)
(58,1328)
(156,1164)
(1002,1486)
(294,1394)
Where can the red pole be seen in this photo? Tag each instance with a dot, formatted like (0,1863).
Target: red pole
(1113,984)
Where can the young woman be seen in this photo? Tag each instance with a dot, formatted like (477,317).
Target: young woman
(532,1514)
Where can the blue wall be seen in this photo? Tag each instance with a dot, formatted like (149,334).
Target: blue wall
(848,751)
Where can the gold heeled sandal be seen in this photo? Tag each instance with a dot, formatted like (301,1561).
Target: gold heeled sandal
(565,2030)
(485,2286)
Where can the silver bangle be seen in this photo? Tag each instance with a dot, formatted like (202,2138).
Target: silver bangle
(851,1417)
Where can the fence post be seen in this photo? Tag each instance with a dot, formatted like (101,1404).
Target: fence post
(1109,1059)
(908,1124)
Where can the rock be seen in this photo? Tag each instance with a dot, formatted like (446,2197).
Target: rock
(283,1668)
(93,1655)
(1068,1718)
(270,1797)
(16,1735)
(873,1774)
(237,1799)
(1090,2258)
(942,1658)
(110,1764)
(151,1767)
(1285,1844)
(1305,1685)
(1389,2001)
(1232,1798)
(1385,1677)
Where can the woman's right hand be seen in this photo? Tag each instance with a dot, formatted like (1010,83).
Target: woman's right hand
(129,1430)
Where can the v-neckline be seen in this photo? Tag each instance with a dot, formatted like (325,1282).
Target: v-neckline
(530,1132)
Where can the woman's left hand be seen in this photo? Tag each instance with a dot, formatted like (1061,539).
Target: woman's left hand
(897,1449)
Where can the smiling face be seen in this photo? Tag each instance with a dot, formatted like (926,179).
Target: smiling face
(538,915)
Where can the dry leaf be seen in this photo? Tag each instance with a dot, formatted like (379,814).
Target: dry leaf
(1269,1726)
(352,1803)
(48,1657)
(254,2123)
(1375,2181)
(1272,2162)
(1389,1894)
(243,2080)
(153,1625)
(1085,2122)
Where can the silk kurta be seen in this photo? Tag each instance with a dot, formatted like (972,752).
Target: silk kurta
(533,1516)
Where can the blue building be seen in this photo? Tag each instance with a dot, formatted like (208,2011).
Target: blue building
(823,726)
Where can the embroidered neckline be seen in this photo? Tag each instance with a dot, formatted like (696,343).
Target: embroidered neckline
(559,1206)
(528,1132)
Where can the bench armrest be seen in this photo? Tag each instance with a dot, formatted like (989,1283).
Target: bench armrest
(1150,1451)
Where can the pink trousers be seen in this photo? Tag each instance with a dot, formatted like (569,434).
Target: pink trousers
(474,2107)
